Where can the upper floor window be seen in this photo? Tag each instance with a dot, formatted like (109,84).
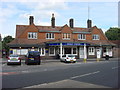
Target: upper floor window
(32,35)
(95,37)
(66,35)
(81,36)
(50,36)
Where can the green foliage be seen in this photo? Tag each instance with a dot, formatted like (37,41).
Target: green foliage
(5,41)
(113,34)
(0,45)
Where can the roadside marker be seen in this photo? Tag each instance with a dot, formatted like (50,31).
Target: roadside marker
(85,60)
(98,59)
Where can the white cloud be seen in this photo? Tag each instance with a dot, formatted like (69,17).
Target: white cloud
(43,10)
(13,13)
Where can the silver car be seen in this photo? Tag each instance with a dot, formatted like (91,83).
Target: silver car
(14,59)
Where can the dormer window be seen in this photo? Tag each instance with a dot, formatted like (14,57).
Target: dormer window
(32,35)
(50,36)
(95,37)
(66,36)
(81,37)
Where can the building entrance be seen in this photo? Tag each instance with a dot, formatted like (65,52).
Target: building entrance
(67,51)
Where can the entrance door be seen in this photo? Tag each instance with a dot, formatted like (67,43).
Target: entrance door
(98,52)
(81,52)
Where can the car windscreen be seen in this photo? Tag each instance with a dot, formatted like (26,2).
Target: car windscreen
(34,53)
(71,55)
(13,55)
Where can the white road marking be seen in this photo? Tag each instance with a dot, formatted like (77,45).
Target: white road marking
(115,67)
(84,75)
(25,71)
(36,85)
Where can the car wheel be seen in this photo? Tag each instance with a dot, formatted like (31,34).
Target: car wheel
(74,62)
(26,63)
(65,61)
(38,63)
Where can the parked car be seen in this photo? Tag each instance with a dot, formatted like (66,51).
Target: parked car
(68,58)
(13,59)
(33,57)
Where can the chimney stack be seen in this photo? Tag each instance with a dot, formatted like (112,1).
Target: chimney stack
(53,21)
(89,23)
(31,20)
(71,23)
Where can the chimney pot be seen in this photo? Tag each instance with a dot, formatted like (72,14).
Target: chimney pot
(71,23)
(53,21)
(31,20)
(89,23)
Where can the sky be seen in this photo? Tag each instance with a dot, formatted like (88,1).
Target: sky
(103,13)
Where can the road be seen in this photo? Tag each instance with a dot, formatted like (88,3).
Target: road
(103,74)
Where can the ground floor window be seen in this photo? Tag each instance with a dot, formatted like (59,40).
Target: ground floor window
(42,51)
(66,50)
(74,51)
(20,51)
(62,51)
(107,51)
(91,51)
(52,51)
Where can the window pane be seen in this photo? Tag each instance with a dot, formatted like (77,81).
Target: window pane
(51,50)
(95,37)
(66,35)
(74,51)
(81,36)
(42,51)
(52,35)
(32,35)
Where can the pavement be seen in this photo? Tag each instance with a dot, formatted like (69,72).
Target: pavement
(4,60)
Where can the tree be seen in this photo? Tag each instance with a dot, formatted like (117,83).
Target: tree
(113,34)
(5,41)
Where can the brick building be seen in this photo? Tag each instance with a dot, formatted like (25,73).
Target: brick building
(52,40)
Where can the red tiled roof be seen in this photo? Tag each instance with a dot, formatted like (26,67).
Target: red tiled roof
(21,28)
(40,41)
(115,41)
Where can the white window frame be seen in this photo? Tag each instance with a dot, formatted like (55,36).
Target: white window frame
(66,36)
(72,50)
(91,50)
(95,37)
(81,36)
(49,35)
(41,51)
(35,35)
(53,51)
